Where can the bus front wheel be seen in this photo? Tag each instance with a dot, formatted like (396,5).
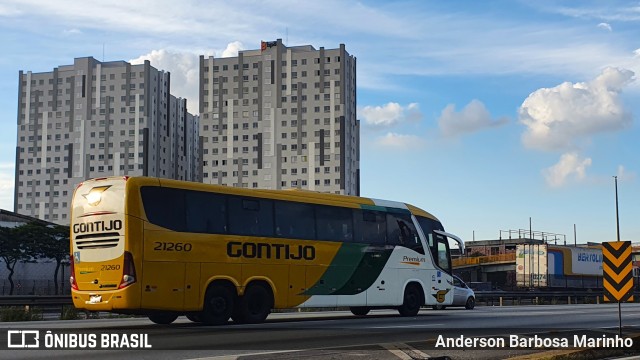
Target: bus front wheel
(254,306)
(218,305)
(412,301)
(359,310)
(163,318)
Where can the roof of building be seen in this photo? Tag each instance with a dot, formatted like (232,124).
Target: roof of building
(13,217)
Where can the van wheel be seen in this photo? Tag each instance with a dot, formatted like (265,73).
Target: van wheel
(218,305)
(163,318)
(254,306)
(359,310)
(412,301)
(471,303)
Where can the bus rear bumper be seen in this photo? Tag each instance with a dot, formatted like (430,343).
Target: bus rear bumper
(115,300)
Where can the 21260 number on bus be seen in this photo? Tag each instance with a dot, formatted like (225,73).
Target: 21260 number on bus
(171,246)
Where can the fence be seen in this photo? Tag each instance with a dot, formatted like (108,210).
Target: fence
(35,287)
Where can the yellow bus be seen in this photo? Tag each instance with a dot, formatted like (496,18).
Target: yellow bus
(165,248)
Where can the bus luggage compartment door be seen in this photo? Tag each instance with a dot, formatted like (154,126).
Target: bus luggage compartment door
(163,285)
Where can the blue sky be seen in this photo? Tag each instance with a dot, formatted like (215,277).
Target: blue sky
(483,113)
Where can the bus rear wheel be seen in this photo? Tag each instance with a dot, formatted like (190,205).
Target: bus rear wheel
(195,318)
(412,301)
(218,305)
(254,306)
(163,318)
(359,310)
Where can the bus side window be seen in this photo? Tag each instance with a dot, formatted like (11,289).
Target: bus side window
(206,213)
(444,262)
(295,220)
(371,227)
(401,231)
(155,200)
(250,216)
(334,223)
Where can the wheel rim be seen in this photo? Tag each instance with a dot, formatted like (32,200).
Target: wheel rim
(412,300)
(219,305)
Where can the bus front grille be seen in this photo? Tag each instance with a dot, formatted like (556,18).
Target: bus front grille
(97,241)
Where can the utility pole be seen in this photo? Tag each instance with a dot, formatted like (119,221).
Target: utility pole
(617,217)
(618,236)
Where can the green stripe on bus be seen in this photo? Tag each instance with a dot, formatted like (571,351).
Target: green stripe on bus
(342,267)
(374,260)
(372,207)
(391,210)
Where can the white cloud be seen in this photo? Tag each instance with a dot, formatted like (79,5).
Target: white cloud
(232,49)
(624,175)
(473,117)
(605,26)
(609,10)
(6,10)
(570,166)
(400,141)
(184,68)
(556,117)
(7,178)
(70,32)
(410,40)
(390,114)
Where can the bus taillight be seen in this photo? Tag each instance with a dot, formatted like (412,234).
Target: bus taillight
(129,272)
(72,277)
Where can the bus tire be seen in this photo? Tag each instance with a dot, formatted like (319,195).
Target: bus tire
(163,318)
(254,306)
(359,310)
(412,301)
(218,305)
(197,318)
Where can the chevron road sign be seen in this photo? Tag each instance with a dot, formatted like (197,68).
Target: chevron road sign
(617,271)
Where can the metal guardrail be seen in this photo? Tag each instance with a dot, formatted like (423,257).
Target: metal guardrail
(59,300)
(35,300)
(537,293)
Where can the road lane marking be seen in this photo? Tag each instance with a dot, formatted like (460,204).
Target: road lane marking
(403,326)
(416,351)
(405,351)
(235,357)
(392,348)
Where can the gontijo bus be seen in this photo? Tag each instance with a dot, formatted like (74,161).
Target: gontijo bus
(166,248)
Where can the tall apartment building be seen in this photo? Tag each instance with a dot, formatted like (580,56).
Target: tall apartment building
(281,117)
(94,119)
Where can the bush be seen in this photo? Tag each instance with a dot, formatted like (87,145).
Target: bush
(69,313)
(18,313)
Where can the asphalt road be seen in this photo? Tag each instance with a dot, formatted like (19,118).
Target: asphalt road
(335,335)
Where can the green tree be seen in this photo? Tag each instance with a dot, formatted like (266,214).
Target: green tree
(55,245)
(16,245)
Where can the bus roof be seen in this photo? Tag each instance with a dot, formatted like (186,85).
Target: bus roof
(287,194)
